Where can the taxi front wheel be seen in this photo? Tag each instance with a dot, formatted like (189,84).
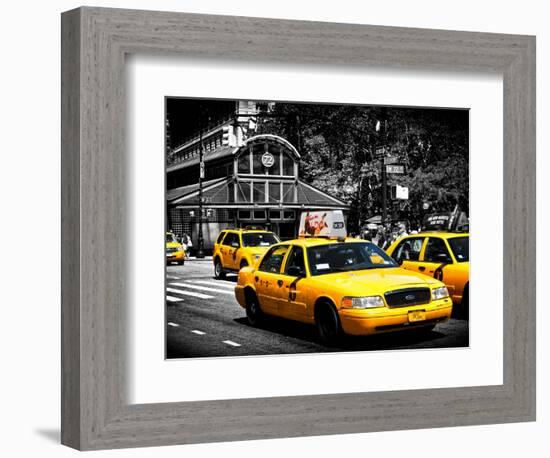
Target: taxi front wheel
(328,324)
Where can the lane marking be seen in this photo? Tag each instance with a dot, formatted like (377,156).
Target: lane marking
(189,293)
(196,331)
(230,342)
(214,283)
(227,282)
(203,288)
(174,299)
(175,325)
(172,277)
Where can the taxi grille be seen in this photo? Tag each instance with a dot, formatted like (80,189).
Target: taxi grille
(408,297)
(171,250)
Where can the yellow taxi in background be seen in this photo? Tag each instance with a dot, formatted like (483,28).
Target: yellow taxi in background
(442,255)
(238,248)
(343,286)
(174,250)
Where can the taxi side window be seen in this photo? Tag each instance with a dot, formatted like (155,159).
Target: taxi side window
(232,240)
(273,260)
(436,251)
(408,250)
(220,237)
(295,264)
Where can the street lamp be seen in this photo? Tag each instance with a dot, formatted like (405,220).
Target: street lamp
(200,249)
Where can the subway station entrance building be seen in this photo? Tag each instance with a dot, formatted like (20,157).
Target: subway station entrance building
(254,184)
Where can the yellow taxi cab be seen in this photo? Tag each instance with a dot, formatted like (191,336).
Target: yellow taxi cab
(442,255)
(341,285)
(238,248)
(174,250)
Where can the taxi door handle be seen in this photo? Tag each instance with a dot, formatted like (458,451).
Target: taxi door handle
(421,268)
(280,283)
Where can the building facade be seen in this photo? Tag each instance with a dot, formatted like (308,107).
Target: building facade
(247,180)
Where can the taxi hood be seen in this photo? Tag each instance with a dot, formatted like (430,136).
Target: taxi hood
(375,281)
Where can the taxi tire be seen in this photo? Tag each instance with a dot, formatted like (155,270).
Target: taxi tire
(328,324)
(244,263)
(254,312)
(219,272)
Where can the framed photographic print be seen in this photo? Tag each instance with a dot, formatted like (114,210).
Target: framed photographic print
(268,225)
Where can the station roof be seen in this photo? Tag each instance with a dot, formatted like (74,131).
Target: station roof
(216,194)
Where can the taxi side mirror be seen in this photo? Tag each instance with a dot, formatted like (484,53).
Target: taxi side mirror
(295,271)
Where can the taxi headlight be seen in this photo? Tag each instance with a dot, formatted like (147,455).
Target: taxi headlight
(180,248)
(439,293)
(365,302)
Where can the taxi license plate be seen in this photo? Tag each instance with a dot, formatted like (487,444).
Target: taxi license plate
(417,315)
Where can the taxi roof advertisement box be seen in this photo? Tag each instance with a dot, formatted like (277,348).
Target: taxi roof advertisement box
(322,224)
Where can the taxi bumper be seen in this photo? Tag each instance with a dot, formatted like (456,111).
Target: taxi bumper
(176,256)
(364,322)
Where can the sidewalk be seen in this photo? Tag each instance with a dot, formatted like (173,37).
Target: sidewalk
(194,258)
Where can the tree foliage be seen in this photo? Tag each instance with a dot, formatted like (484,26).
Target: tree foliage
(338,145)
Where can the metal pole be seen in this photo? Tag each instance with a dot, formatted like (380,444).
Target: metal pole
(384,177)
(200,250)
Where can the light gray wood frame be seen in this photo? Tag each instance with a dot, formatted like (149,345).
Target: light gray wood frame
(95,412)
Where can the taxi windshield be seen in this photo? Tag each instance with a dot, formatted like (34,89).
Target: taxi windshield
(459,245)
(259,239)
(345,257)
(170,238)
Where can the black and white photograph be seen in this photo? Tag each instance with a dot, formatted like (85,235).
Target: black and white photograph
(297,227)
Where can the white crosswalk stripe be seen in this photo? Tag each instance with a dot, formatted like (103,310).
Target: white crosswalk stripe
(189,293)
(173,299)
(202,288)
(224,282)
(214,283)
(230,342)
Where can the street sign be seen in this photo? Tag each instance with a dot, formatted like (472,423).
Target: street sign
(399,192)
(395,168)
(391,160)
(380,151)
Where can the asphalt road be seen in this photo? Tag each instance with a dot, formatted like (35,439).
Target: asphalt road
(203,319)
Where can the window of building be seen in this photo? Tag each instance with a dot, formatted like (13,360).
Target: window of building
(257,153)
(258,192)
(243,191)
(274,154)
(244,162)
(244,214)
(288,192)
(288,165)
(259,214)
(275,214)
(288,214)
(274,192)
